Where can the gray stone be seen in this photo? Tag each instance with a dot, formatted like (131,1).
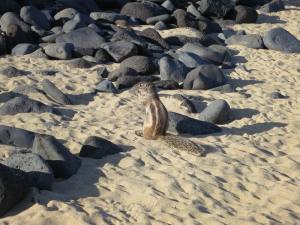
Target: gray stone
(63,163)
(106,86)
(108,16)
(16,137)
(59,50)
(204,53)
(82,38)
(54,93)
(98,148)
(182,124)
(218,8)
(142,64)
(155,19)
(67,13)
(204,77)
(217,112)
(120,50)
(142,11)
(190,60)
(172,69)
(280,39)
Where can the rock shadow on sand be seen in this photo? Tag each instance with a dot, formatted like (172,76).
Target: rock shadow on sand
(263,18)
(252,129)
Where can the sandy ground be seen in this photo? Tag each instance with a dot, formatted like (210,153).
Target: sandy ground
(250,176)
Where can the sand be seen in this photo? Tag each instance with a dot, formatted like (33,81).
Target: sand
(250,176)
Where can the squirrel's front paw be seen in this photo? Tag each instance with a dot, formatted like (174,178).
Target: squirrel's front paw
(139,133)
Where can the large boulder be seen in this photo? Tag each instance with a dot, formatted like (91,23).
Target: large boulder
(204,77)
(244,14)
(142,64)
(172,69)
(9,18)
(82,38)
(142,11)
(14,185)
(280,39)
(98,148)
(182,124)
(37,169)
(63,163)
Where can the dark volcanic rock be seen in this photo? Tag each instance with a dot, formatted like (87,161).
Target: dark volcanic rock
(218,8)
(24,49)
(23,104)
(59,50)
(142,64)
(186,125)
(217,112)
(63,163)
(33,16)
(142,11)
(110,17)
(82,38)
(281,40)
(120,50)
(172,69)
(11,71)
(16,137)
(98,148)
(183,19)
(38,171)
(14,187)
(204,77)
(248,40)
(190,60)
(3,47)
(54,93)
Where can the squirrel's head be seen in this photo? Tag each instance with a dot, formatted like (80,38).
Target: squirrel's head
(144,90)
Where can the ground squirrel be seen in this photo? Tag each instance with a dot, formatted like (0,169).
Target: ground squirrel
(156,122)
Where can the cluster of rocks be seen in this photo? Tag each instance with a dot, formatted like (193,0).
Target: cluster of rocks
(90,32)
(86,33)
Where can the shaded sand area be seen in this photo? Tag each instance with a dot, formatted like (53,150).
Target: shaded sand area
(251,174)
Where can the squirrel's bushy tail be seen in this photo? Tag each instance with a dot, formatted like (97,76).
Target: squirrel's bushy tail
(182,144)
